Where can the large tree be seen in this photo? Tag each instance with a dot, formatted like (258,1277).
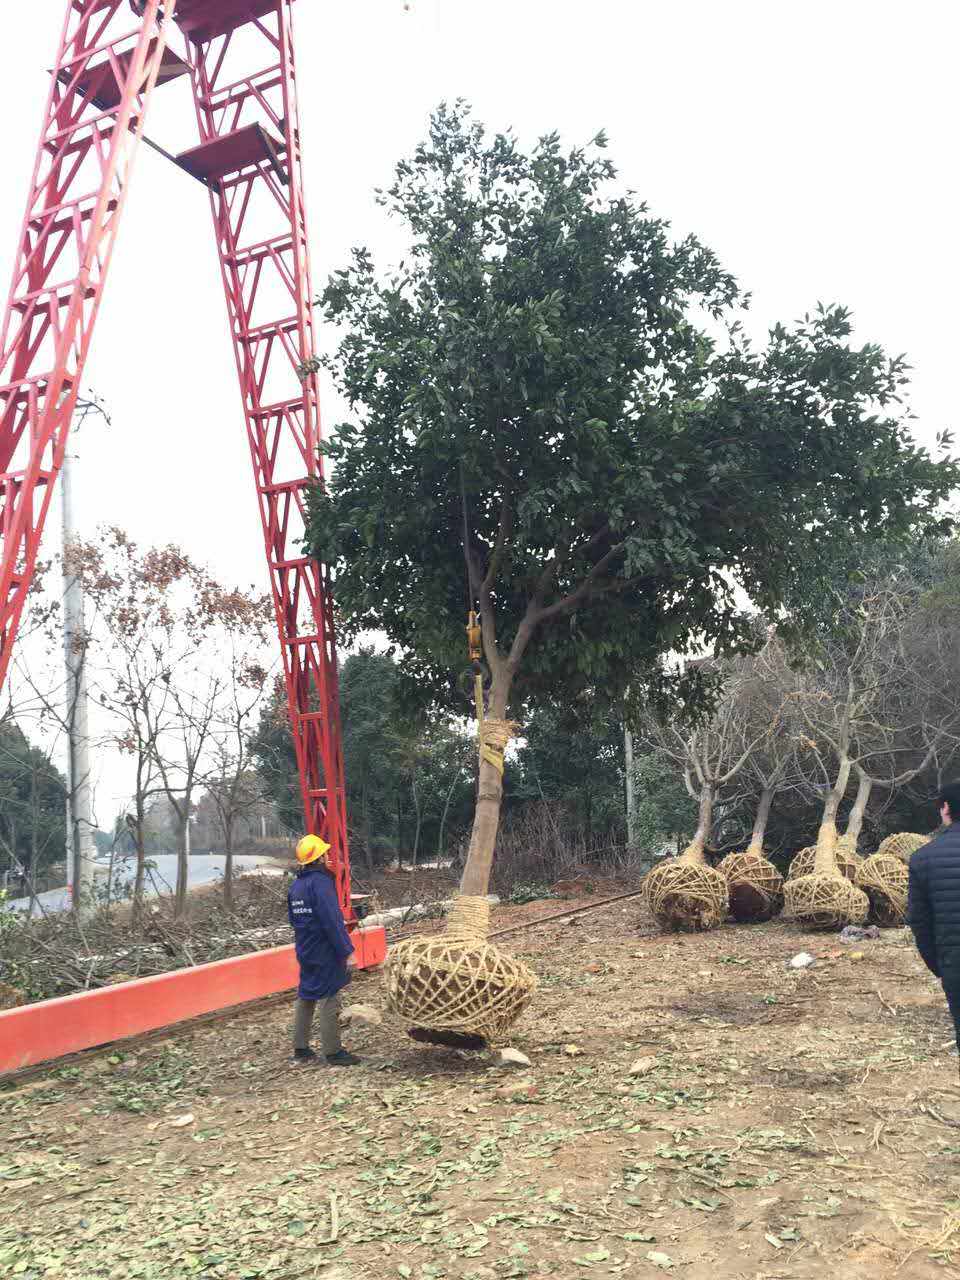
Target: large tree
(553,390)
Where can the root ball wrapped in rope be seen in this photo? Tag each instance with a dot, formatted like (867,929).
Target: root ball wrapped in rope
(686,894)
(884,879)
(754,885)
(824,898)
(458,981)
(802,864)
(902,845)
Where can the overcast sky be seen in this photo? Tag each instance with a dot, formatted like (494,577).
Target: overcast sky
(811,145)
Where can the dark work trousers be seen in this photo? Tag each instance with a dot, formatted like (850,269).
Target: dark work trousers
(951,989)
(328,1011)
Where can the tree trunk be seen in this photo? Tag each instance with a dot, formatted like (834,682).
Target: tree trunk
(760,822)
(141,861)
(443,817)
(858,812)
(399,832)
(694,850)
(418,817)
(365,804)
(228,863)
(180,897)
(825,861)
(486,819)
(630,787)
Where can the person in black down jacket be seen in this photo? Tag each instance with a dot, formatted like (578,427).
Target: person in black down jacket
(323,948)
(933,908)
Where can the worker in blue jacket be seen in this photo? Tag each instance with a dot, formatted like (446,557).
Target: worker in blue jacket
(323,947)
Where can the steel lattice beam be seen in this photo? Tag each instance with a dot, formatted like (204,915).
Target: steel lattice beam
(73,210)
(250,156)
(111,55)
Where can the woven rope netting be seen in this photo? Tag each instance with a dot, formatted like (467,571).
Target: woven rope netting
(686,894)
(754,885)
(458,981)
(824,898)
(902,845)
(802,864)
(884,879)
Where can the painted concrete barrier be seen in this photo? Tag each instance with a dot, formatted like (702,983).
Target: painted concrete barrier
(51,1028)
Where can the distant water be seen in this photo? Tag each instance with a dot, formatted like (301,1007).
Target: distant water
(202,868)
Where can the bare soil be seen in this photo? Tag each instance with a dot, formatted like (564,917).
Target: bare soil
(694,1107)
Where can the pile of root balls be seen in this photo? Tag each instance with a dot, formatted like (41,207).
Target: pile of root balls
(826,887)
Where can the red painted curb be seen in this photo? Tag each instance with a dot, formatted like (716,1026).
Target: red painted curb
(49,1029)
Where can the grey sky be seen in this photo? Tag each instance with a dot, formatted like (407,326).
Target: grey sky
(810,145)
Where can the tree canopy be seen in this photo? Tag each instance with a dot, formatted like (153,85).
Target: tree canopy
(627,454)
(553,391)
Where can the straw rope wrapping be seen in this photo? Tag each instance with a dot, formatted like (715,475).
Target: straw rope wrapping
(883,878)
(825,899)
(458,980)
(824,902)
(754,884)
(686,894)
(802,864)
(903,845)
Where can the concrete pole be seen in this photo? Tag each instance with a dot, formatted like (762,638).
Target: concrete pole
(80,844)
(631,798)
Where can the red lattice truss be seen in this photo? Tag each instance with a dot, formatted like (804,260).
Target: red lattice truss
(113,55)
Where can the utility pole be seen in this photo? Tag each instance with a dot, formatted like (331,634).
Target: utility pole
(631,798)
(80,846)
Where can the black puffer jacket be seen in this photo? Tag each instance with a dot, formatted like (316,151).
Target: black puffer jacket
(934,905)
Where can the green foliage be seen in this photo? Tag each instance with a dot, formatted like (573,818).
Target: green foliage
(627,454)
(409,782)
(665,812)
(33,794)
(573,757)
(275,761)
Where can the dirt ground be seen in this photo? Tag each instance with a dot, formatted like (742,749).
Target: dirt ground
(693,1107)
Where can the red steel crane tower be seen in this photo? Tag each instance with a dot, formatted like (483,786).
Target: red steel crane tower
(239,58)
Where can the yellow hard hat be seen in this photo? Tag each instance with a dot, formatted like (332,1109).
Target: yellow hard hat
(310,849)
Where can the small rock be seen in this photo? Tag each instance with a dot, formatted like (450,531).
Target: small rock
(593,968)
(512,1058)
(361,1013)
(643,1066)
(802,960)
(180,1122)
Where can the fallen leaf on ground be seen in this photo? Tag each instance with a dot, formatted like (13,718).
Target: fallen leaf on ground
(643,1066)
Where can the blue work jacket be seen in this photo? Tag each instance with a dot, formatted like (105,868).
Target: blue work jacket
(320,936)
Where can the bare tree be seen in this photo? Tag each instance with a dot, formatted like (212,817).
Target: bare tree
(714,753)
(873,708)
(770,767)
(230,781)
